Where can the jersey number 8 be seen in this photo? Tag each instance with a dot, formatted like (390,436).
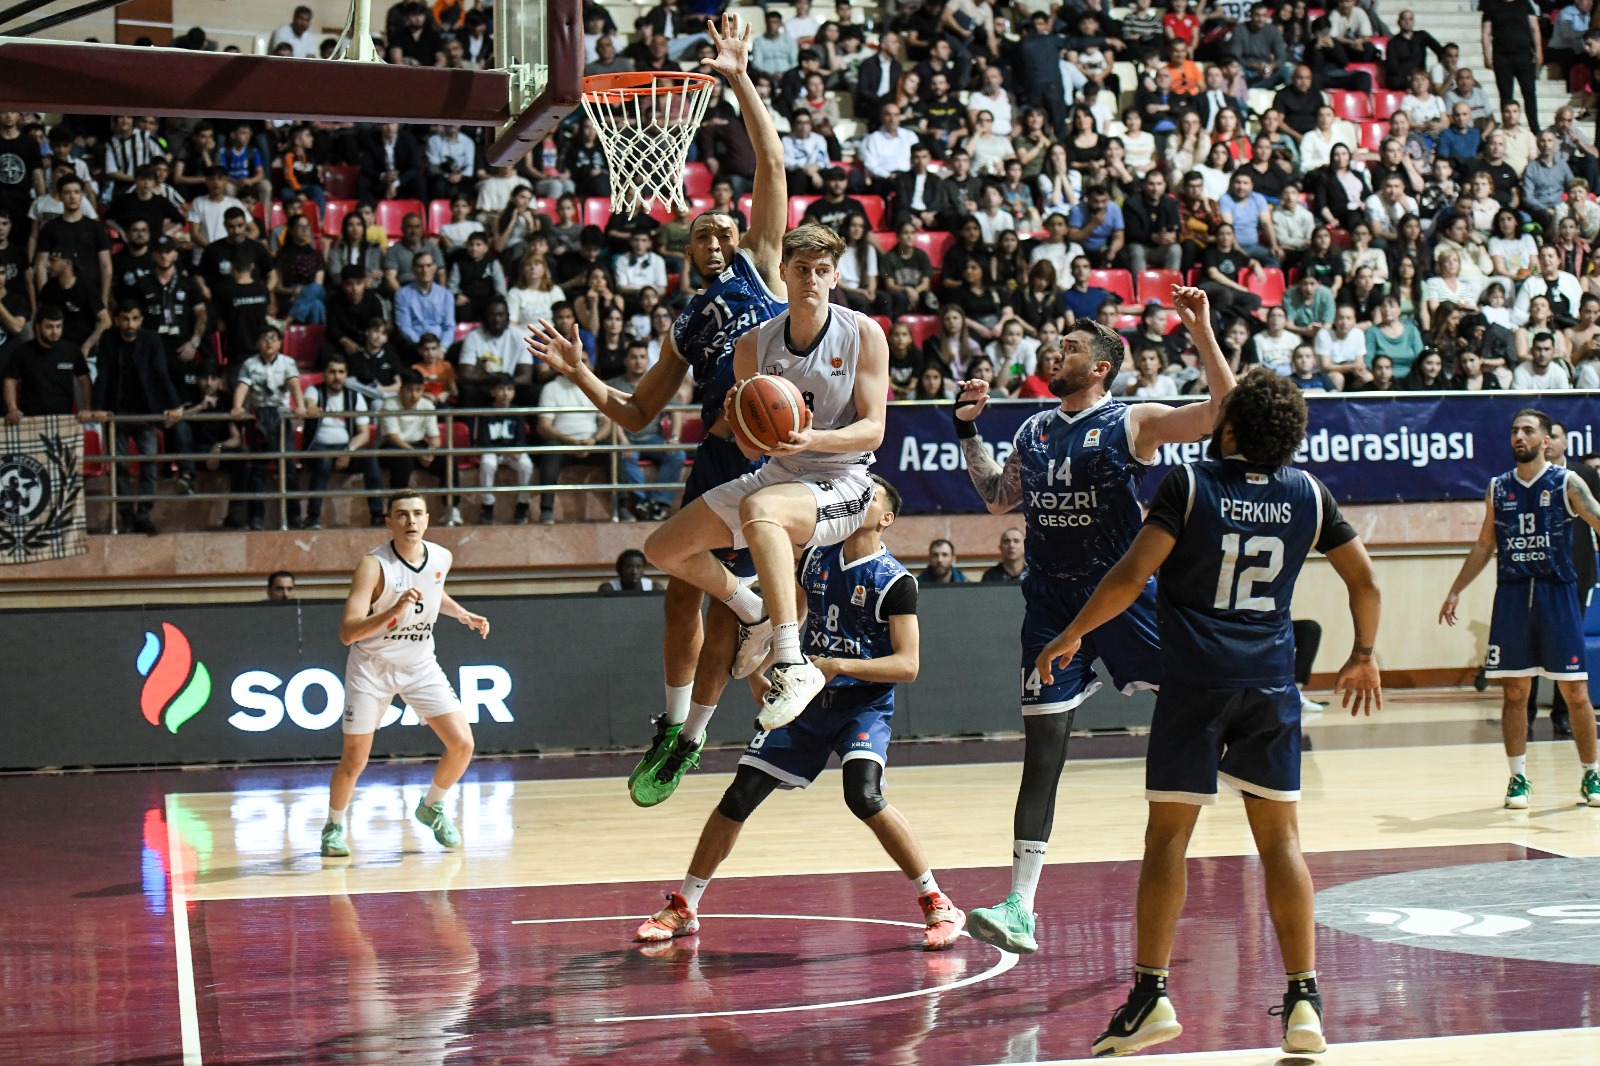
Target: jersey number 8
(1239,595)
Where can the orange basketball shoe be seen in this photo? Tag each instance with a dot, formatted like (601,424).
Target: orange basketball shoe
(944,920)
(676,919)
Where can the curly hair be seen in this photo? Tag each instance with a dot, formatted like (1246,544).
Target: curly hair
(1107,344)
(1268,416)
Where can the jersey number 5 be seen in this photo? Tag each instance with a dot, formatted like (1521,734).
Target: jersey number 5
(1239,595)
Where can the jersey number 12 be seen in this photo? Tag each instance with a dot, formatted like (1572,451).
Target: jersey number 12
(1238,594)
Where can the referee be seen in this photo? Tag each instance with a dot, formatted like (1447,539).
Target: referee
(1513,48)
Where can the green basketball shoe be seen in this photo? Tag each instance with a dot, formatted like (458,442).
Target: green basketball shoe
(444,831)
(658,787)
(660,747)
(1518,791)
(1590,789)
(1007,926)
(333,844)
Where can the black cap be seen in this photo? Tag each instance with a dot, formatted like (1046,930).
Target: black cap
(834,172)
(164,243)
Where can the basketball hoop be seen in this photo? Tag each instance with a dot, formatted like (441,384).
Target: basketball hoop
(646,119)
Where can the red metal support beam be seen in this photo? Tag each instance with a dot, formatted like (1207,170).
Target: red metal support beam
(563,90)
(105,79)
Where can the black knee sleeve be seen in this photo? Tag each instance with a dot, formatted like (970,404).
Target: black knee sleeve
(1044,756)
(863,788)
(750,786)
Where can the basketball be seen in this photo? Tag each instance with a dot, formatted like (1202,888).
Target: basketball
(766,410)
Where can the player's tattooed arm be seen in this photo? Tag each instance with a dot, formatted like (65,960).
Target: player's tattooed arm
(1582,501)
(1000,486)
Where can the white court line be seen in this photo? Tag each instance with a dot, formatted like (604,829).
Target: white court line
(188,1014)
(1007,960)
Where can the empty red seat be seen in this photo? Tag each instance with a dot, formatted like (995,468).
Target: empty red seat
(301,343)
(883,320)
(1372,71)
(699,202)
(341,182)
(1350,105)
(1386,102)
(462,329)
(1578,80)
(438,215)
(333,215)
(797,208)
(1373,132)
(873,206)
(1157,285)
(1270,288)
(935,244)
(461,437)
(1119,282)
(392,213)
(697,179)
(596,211)
(922,326)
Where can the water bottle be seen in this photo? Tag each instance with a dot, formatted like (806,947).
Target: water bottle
(549,156)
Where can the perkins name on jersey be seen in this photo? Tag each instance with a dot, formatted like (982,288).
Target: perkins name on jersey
(1252,511)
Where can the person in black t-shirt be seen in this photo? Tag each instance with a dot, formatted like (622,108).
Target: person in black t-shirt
(206,436)
(14,278)
(174,308)
(502,431)
(835,207)
(216,262)
(46,376)
(75,234)
(375,366)
(1514,50)
(142,203)
(133,263)
(243,304)
(1223,267)
(350,308)
(78,300)
(21,171)
(133,380)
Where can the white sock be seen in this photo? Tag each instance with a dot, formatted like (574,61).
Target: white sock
(335,817)
(692,889)
(925,883)
(1595,766)
(1519,765)
(678,703)
(695,724)
(747,605)
(786,643)
(1027,863)
(435,796)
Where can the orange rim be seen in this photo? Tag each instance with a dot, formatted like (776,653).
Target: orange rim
(616,88)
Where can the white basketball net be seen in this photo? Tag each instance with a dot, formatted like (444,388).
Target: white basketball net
(645,134)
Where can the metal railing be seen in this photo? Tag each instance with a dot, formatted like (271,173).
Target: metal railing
(283,456)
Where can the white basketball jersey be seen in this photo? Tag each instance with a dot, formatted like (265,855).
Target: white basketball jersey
(825,374)
(408,643)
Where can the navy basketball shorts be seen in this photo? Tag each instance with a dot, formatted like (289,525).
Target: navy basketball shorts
(717,462)
(851,721)
(1248,738)
(1537,630)
(1127,645)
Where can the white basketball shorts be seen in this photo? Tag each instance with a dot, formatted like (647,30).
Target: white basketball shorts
(370,689)
(843,497)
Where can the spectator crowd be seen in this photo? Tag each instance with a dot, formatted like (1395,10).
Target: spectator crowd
(1362,215)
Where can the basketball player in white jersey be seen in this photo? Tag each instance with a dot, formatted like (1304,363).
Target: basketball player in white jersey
(396,595)
(813,490)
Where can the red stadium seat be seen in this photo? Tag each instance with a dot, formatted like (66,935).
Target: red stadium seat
(462,329)
(596,211)
(797,208)
(883,320)
(1578,80)
(1373,71)
(333,215)
(278,216)
(1341,237)
(659,211)
(461,437)
(1119,282)
(744,203)
(873,206)
(922,326)
(341,182)
(885,239)
(1373,132)
(1386,102)
(1381,44)
(1126,322)
(1270,289)
(699,203)
(301,343)
(697,179)
(392,213)
(438,215)
(308,380)
(935,244)
(1350,105)
(1155,286)
(1195,275)
(92,447)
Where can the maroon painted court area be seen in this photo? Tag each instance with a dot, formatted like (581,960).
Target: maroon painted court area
(90,974)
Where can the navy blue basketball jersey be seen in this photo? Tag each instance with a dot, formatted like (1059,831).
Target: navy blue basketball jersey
(736,301)
(1533,526)
(849,603)
(1079,490)
(1222,596)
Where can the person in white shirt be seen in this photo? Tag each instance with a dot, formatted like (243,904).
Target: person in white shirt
(887,150)
(801,25)
(343,442)
(494,192)
(1387,206)
(1057,249)
(1343,349)
(1275,345)
(1316,146)
(297,35)
(1349,24)
(805,155)
(1561,288)
(640,268)
(1426,108)
(1541,371)
(993,218)
(495,348)
(1521,144)
(207,213)
(567,427)
(994,99)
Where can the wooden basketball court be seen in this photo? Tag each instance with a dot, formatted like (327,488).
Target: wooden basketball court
(186,917)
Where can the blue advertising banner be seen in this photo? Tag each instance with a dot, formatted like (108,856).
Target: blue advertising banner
(1382,448)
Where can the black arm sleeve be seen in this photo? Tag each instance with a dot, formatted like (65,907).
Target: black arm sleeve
(1170,508)
(1335,531)
(899,598)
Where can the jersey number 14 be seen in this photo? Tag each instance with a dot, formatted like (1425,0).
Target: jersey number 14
(1236,591)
